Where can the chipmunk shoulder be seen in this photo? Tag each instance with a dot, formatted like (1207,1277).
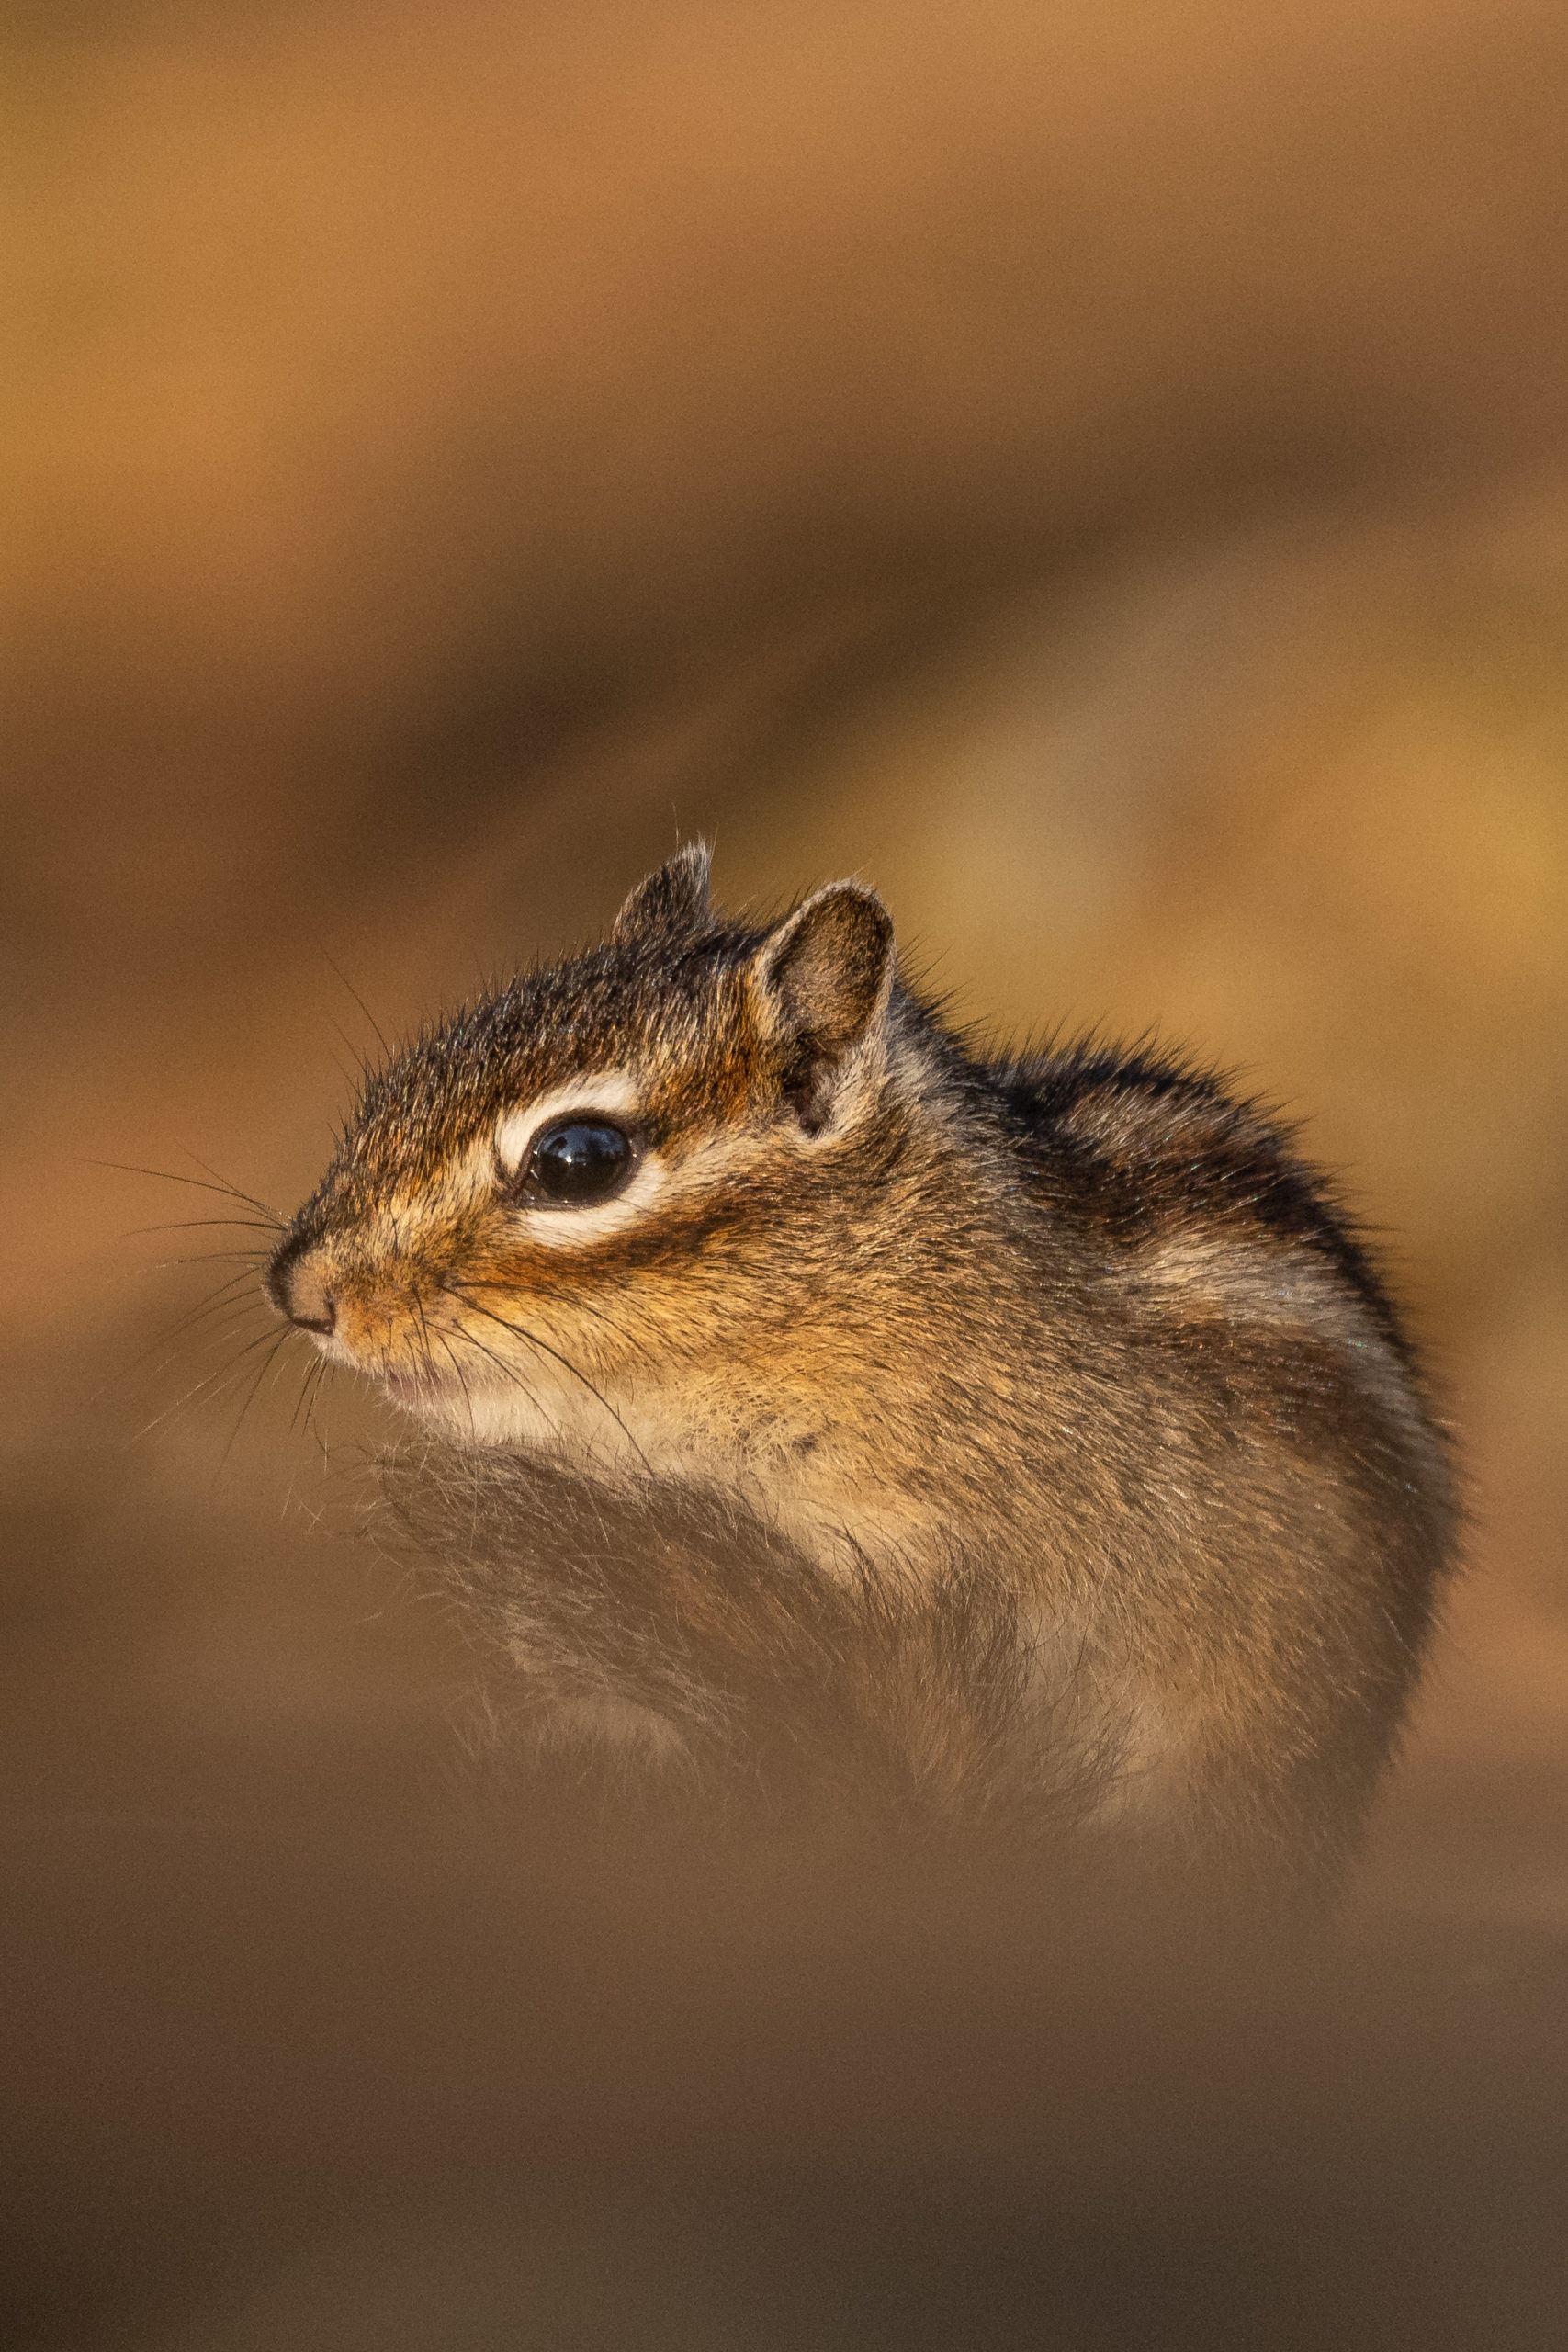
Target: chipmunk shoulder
(719,1206)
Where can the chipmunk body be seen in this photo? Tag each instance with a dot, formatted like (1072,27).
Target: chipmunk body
(726,1212)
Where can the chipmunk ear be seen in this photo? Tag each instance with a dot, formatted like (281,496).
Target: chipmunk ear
(822,981)
(670,903)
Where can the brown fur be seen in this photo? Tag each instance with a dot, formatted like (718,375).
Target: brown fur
(637,1611)
(1062,1379)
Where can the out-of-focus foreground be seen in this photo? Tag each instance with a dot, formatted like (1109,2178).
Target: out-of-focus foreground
(1102,475)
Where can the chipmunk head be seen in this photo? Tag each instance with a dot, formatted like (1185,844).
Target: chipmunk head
(619,1163)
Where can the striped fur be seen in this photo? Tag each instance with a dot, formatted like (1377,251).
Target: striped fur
(1072,1348)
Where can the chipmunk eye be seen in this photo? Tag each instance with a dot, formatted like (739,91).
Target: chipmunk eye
(576,1162)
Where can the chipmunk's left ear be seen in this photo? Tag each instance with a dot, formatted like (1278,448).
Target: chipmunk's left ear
(821,982)
(669,904)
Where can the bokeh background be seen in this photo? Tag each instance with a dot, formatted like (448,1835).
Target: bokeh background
(1101,474)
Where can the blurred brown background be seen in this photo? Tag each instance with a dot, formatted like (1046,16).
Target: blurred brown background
(1101,474)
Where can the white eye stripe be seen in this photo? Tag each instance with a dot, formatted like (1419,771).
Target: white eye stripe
(655,1181)
(608,1094)
(612,1095)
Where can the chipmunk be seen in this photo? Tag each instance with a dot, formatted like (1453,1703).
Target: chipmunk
(786,1366)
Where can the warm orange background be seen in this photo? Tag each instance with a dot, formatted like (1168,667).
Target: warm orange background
(1101,474)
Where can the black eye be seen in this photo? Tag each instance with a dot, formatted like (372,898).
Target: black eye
(577,1162)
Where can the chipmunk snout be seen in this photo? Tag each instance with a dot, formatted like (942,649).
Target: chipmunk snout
(297,1288)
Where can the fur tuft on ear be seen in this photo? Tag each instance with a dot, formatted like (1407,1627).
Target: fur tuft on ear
(823,979)
(671,903)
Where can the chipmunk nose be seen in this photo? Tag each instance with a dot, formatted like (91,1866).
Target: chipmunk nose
(297,1288)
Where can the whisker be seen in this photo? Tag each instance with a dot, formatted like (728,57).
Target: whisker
(534,1341)
(252,1394)
(252,1258)
(359,1001)
(235,1192)
(315,1379)
(193,1224)
(223,1373)
(508,1371)
(301,1401)
(309,1386)
(359,1060)
(167,1176)
(246,1278)
(429,1359)
(628,1339)
(213,1303)
(418,1305)
(218,1310)
(223,1370)
(467,1397)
